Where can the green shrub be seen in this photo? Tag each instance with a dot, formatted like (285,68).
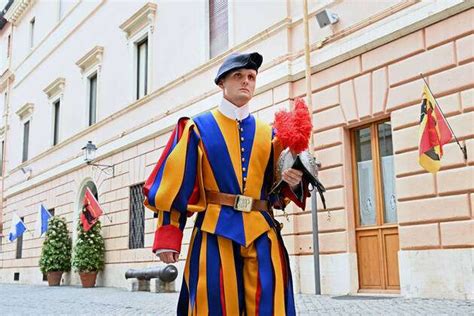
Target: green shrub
(89,250)
(56,251)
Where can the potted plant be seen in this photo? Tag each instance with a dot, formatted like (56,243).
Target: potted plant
(56,252)
(89,254)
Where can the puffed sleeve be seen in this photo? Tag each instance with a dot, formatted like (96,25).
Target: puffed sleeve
(175,187)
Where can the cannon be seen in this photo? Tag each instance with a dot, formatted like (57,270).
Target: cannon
(165,274)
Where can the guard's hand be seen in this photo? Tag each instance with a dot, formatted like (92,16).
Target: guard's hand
(169,257)
(292,176)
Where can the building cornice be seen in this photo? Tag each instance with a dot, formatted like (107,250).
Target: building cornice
(17,9)
(142,18)
(7,75)
(91,58)
(55,87)
(25,111)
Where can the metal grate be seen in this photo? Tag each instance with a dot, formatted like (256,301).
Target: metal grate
(136,237)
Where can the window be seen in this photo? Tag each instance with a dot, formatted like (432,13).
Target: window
(8,45)
(139,28)
(32,32)
(19,243)
(137,218)
(51,211)
(16,276)
(2,148)
(93,99)
(142,68)
(218,27)
(56,106)
(26,140)
(60,9)
(374,167)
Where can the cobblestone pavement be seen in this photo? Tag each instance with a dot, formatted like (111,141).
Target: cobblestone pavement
(73,300)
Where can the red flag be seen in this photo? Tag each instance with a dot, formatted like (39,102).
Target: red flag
(434,133)
(91,211)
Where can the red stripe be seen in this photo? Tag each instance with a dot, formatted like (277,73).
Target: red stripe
(258,295)
(194,198)
(151,179)
(284,265)
(430,137)
(221,277)
(445,134)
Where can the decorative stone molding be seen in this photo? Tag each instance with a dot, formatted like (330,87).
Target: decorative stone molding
(7,75)
(91,58)
(25,111)
(55,87)
(144,17)
(17,9)
(2,132)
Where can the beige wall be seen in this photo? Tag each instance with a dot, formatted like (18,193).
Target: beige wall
(367,76)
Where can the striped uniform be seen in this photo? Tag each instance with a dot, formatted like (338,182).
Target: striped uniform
(237,263)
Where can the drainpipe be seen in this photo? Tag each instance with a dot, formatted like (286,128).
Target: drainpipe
(309,102)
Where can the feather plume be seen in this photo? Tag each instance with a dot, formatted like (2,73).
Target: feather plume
(293,128)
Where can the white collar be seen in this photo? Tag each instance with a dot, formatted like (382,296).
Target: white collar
(233,112)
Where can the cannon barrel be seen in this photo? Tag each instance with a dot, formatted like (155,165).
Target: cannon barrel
(165,274)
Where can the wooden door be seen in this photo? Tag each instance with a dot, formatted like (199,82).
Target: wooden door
(375,208)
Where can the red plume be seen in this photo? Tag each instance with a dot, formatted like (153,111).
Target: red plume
(293,129)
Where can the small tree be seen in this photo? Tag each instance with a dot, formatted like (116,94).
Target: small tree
(89,251)
(56,251)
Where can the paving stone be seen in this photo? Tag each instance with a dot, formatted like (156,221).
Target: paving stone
(19,299)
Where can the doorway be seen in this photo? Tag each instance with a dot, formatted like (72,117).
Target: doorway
(375,208)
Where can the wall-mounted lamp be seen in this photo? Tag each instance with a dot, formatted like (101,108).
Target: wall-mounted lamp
(326,17)
(89,151)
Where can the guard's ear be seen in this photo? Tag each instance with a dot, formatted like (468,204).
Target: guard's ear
(221,84)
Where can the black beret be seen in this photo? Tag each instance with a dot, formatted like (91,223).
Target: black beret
(237,61)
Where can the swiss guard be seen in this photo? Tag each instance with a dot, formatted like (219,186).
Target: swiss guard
(223,165)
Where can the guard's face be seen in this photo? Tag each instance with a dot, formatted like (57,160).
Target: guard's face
(239,86)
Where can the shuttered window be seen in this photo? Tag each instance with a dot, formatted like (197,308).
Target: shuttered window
(142,68)
(26,140)
(93,99)
(56,107)
(32,32)
(218,27)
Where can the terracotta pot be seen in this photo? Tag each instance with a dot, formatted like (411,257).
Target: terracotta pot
(88,278)
(54,278)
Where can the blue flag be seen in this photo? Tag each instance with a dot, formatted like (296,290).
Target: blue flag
(42,222)
(17,228)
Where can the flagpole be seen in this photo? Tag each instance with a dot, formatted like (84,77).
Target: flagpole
(463,148)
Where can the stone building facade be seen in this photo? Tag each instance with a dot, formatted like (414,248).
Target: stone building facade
(120,74)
